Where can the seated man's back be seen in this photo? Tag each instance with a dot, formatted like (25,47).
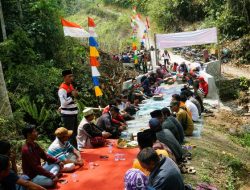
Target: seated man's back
(178,126)
(168,124)
(166,176)
(165,136)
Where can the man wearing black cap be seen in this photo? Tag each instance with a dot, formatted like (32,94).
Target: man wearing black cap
(68,108)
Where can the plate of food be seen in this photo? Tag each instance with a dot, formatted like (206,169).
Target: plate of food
(123,143)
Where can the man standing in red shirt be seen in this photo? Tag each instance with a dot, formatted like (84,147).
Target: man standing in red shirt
(68,109)
(32,153)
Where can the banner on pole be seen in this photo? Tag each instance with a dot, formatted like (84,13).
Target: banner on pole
(198,37)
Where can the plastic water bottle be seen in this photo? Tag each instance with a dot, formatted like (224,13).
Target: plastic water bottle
(110,148)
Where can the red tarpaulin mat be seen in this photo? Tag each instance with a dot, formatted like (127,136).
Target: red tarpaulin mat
(109,175)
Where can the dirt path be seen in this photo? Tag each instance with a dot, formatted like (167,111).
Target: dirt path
(235,72)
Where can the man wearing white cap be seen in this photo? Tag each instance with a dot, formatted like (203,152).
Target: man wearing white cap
(89,135)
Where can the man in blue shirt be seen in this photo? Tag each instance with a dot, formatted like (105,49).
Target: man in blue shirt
(164,174)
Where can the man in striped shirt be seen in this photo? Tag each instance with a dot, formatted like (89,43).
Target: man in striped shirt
(64,151)
(68,107)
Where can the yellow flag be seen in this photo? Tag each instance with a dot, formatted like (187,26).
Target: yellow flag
(93,52)
(98,91)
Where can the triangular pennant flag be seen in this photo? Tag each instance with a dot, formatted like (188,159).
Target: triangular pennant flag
(95,72)
(74,30)
(91,22)
(93,52)
(94,62)
(93,42)
(98,91)
(95,81)
(147,21)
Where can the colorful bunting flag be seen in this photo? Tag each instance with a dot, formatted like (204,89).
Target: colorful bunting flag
(93,57)
(95,72)
(95,81)
(94,52)
(93,42)
(91,22)
(98,91)
(147,21)
(94,62)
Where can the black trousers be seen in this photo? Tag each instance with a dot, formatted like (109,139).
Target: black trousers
(70,123)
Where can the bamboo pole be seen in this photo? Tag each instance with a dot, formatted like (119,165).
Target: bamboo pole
(156,57)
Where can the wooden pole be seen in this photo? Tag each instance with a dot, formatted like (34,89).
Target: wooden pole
(156,56)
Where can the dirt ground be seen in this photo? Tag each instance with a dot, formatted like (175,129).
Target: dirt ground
(217,158)
(233,71)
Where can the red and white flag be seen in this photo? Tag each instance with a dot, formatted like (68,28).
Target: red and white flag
(74,30)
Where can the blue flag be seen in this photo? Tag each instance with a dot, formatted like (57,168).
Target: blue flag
(93,42)
(95,81)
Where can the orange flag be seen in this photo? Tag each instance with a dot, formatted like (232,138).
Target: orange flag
(94,62)
(91,22)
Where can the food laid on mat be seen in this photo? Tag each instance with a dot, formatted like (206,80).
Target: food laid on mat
(158,97)
(125,143)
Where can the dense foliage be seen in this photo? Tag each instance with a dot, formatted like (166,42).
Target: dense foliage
(33,57)
(230,16)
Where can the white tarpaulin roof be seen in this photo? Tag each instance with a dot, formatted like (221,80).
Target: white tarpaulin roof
(181,39)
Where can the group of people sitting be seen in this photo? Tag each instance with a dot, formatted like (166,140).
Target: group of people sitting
(161,149)
(60,157)
(162,159)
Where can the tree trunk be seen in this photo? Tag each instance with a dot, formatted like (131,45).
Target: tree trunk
(2,22)
(19,6)
(5,108)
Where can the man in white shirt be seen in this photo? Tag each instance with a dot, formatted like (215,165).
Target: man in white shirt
(191,106)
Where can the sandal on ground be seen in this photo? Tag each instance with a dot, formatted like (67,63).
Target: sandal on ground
(187,170)
(191,170)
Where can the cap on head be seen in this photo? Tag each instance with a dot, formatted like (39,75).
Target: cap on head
(115,109)
(63,132)
(87,112)
(66,72)
(154,123)
(156,113)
